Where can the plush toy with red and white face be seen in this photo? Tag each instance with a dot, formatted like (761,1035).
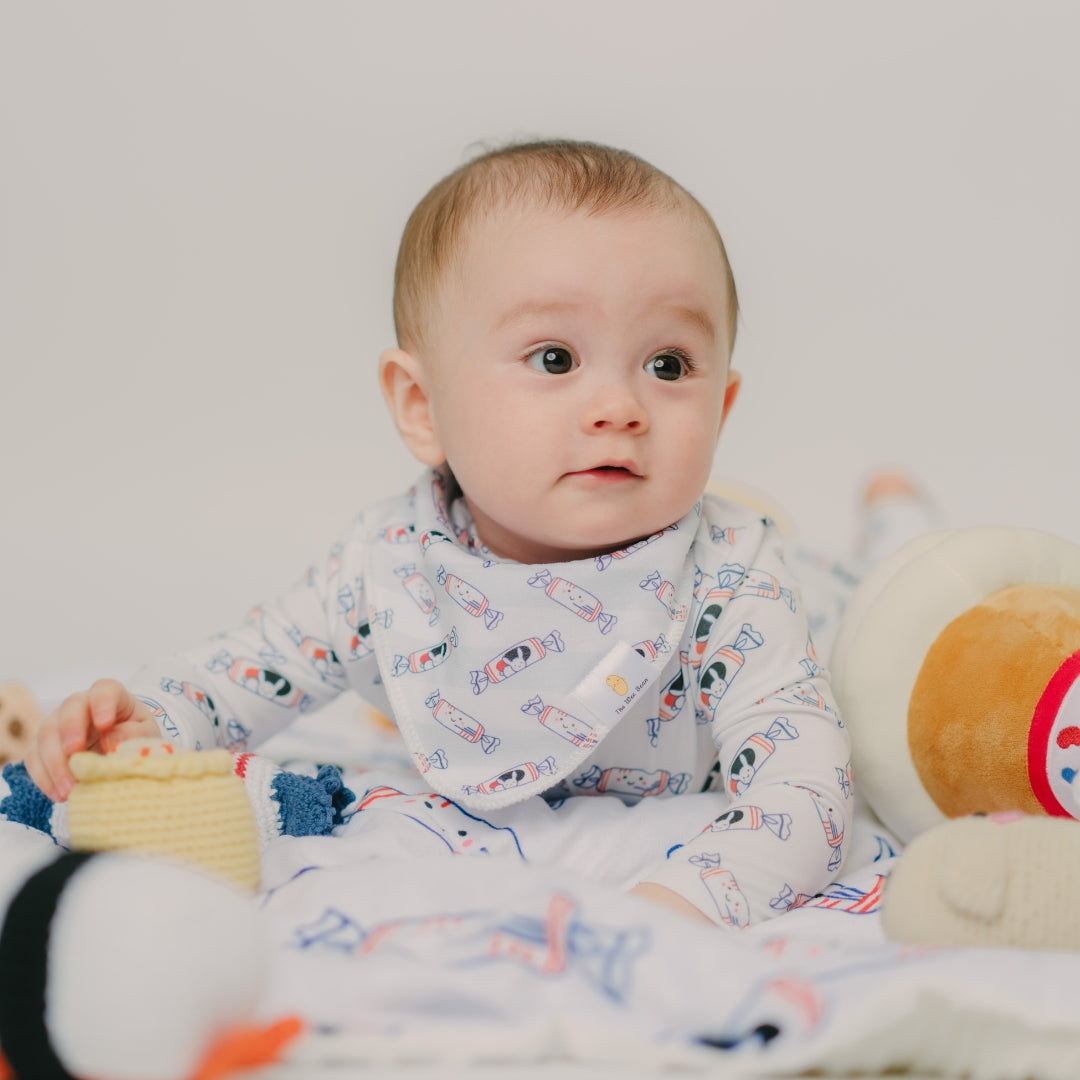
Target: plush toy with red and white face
(956,669)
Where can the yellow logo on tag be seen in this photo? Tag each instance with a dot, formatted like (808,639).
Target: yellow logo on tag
(618,684)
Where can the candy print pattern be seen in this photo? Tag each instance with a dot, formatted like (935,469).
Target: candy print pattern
(574,598)
(420,590)
(723,666)
(755,751)
(426,659)
(831,821)
(731,903)
(665,593)
(460,722)
(359,621)
(604,561)
(319,654)
(264,682)
(196,695)
(469,597)
(672,699)
(562,723)
(435,760)
(752,817)
(528,772)
(728,535)
(517,658)
(398,534)
(626,780)
(802,693)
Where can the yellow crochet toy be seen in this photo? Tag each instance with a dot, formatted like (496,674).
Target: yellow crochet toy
(147,796)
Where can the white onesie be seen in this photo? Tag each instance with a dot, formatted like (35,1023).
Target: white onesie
(681,663)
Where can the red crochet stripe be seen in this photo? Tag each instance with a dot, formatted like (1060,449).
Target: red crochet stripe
(1042,722)
(241,764)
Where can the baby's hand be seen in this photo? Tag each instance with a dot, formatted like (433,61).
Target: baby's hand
(668,898)
(96,719)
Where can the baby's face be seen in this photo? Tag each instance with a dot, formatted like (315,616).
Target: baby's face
(578,376)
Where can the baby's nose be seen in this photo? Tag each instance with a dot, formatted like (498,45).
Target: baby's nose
(615,407)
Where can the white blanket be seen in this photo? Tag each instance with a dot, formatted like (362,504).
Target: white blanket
(418,933)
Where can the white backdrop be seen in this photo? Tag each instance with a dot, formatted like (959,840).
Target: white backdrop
(200,204)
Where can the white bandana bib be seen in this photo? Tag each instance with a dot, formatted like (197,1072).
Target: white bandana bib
(503,676)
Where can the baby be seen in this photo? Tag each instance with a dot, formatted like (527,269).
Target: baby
(555,608)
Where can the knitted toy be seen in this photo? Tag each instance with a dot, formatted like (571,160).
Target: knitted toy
(212,808)
(19,719)
(119,967)
(956,670)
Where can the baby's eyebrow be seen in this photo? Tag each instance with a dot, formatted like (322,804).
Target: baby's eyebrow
(695,318)
(531,309)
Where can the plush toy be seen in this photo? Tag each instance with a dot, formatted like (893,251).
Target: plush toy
(956,669)
(212,808)
(19,719)
(122,967)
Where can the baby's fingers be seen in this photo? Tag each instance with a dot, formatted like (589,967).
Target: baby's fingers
(111,704)
(61,735)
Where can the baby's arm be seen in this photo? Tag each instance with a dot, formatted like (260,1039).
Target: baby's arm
(783,758)
(235,691)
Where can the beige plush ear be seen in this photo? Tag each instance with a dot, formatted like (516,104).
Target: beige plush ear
(405,386)
(971,871)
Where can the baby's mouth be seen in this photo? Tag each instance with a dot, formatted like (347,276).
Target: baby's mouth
(610,472)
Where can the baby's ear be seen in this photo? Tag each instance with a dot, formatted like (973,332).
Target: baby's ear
(404,384)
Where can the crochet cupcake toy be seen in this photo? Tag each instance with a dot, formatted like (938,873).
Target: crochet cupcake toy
(214,809)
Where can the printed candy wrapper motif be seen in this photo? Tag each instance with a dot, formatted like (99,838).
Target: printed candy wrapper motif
(755,751)
(426,659)
(574,598)
(752,817)
(527,772)
(624,780)
(562,723)
(460,723)
(831,822)
(469,598)
(266,683)
(604,561)
(731,903)
(723,666)
(665,593)
(517,658)
(420,590)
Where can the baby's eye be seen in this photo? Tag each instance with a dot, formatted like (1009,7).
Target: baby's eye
(553,359)
(669,366)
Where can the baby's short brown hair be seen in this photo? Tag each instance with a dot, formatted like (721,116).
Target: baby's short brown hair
(558,173)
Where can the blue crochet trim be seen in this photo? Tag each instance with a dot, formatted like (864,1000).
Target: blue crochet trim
(310,805)
(25,805)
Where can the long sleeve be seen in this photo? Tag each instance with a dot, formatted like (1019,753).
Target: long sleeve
(783,755)
(297,654)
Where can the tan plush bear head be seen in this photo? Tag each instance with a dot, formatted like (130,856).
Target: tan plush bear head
(19,719)
(954,670)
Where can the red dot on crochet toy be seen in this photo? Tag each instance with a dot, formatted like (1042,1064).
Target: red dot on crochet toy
(1067,737)
(144,752)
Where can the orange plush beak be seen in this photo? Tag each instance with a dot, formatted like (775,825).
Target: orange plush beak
(247,1048)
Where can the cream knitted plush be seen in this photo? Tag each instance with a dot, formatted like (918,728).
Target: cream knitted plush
(1003,879)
